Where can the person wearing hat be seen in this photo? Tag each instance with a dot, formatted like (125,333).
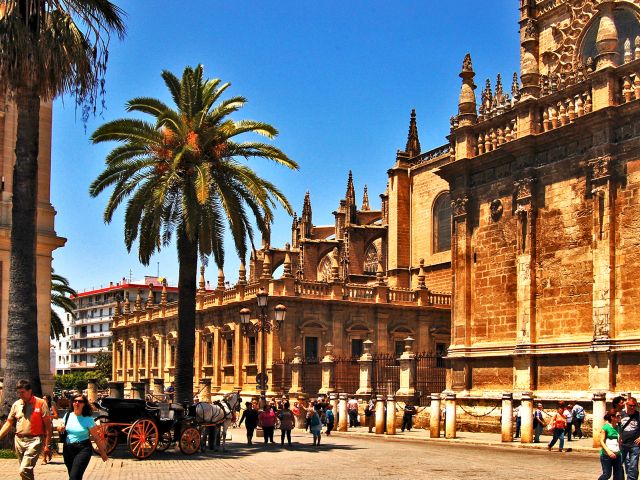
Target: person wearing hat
(538,423)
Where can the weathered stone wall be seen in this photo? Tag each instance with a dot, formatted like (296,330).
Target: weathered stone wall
(492,374)
(627,372)
(563,372)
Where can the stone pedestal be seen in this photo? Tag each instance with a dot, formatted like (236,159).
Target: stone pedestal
(507,417)
(328,371)
(380,416)
(407,361)
(434,419)
(92,390)
(296,368)
(366,370)
(343,417)
(137,390)
(391,415)
(526,414)
(599,410)
(116,390)
(450,415)
(205,390)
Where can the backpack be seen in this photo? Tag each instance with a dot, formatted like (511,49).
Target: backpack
(315,420)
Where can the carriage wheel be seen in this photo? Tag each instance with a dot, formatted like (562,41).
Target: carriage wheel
(164,442)
(143,438)
(189,441)
(110,434)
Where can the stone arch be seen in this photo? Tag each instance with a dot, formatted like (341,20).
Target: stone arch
(323,271)
(372,254)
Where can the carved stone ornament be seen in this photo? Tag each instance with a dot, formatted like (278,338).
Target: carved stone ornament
(601,167)
(459,206)
(524,188)
(496,210)
(530,29)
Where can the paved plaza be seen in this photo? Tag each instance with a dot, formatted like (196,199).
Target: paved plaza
(344,456)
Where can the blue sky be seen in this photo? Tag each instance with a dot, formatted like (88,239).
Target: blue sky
(337,78)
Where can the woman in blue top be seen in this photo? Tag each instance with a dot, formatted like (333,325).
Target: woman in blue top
(79,428)
(610,457)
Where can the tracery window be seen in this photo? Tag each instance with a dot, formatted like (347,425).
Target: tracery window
(324,268)
(371,260)
(628,26)
(442,223)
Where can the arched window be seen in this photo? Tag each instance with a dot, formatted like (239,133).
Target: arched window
(442,223)
(324,268)
(627,25)
(371,260)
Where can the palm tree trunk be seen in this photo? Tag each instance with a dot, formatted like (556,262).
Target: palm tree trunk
(22,326)
(188,270)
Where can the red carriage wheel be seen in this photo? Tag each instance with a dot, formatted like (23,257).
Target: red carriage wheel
(109,432)
(189,441)
(143,438)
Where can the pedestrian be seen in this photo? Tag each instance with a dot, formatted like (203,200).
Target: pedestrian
(518,416)
(557,425)
(407,417)
(352,410)
(76,434)
(286,423)
(315,426)
(610,456)
(370,414)
(267,420)
(330,419)
(538,423)
(30,417)
(578,419)
(568,415)
(46,457)
(250,419)
(618,402)
(630,437)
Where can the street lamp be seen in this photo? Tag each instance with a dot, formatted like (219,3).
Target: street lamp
(262,327)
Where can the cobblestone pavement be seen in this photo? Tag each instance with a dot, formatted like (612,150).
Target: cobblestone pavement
(352,457)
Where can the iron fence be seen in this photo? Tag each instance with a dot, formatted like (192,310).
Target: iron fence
(430,377)
(386,374)
(347,374)
(311,376)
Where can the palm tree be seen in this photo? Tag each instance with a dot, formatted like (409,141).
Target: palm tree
(60,288)
(49,47)
(182,172)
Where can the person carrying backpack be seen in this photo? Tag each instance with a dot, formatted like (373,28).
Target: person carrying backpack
(578,419)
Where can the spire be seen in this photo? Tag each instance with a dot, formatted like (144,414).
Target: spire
(150,296)
(467,113)
(306,208)
(413,143)
(515,88)
(365,201)
(351,192)
(201,281)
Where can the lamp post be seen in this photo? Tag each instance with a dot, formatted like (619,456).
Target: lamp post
(262,326)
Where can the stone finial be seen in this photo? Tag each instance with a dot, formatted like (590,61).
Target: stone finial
(515,87)
(607,37)
(467,112)
(365,201)
(380,271)
(266,266)
(636,51)
(422,276)
(408,344)
(202,282)
(150,296)
(163,295)
(350,196)
(242,274)
(287,273)
(335,266)
(118,305)
(328,349)
(297,352)
(127,304)
(628,54)
(367,346)
(306,207)
(220,285)
(294,223)
(413,142)
(138,303)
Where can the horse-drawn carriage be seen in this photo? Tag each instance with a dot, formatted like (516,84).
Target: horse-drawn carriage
(147,426)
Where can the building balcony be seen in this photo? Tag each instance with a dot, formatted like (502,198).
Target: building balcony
(89,335)
(87,350)
(90,321)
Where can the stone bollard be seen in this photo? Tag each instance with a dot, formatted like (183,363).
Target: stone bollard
(434,419)
(380,416)
(116,390)
(137,390)
(599,411)
(92,390)
(205,390)
(343,417)
(333,400)
(391,415)
(450,413)
(526,414)
(507,417)
(158,388)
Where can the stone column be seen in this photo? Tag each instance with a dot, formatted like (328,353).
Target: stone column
(380,416)
(296,370)
(205,391)
(434,419)
(343,417)
(91,390)
(391,415)
(136,361)
(197,358)
(407,360)
(158,388)
(450,412)
(366,369)
(507,417)
(599,410)
(137,390)
(116,390)
(328,371)
(526,413)
(333,400)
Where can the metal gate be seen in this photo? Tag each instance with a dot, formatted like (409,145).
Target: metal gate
(311,376)
(347,374)
(386,374)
